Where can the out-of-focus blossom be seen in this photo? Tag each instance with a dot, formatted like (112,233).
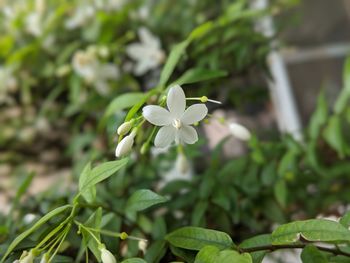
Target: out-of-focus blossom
(87,66)
(109,5)
(147,54)
(82,15)
(35,19)
(8,84)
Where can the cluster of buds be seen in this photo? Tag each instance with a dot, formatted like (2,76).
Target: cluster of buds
(125,145)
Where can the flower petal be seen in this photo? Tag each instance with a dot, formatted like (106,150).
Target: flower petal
(239,131)
(147,38)
(165,136)
(188,134)
(176,101)
(194,113)
(136,51)
(157,115)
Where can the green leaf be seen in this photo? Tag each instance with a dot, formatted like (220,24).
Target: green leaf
(345,220)
(311,254)
(94,221)
(199,74)
(311,230)
(257,241)
(21,190)
(90,193)
(196,238)
(280,191)
(122,102)
(40,222)
(207,254)
(230,256)
(319,117)
(143,199)
(174,57)
(334,136)
(100,173)
(134,260)
(138,105)
(344,97)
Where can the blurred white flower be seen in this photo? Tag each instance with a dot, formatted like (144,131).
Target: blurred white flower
(148,54)
(125,145)
(109,5)
(239,131)
(34,20)
(80,17)
(87,66)
(176,120)
(107,256)
(8,84)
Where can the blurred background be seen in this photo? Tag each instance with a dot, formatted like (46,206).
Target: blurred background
(63,64)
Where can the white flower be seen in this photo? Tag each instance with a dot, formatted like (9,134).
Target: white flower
(81,16)
(107,256)
(176,120)
(34,21)
(87,66)
(239,131)
(125,145)
(109,5)
(34,24)
(8,84)
(148,53)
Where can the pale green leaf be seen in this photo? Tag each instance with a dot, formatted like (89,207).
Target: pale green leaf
(321,230)
(196,238)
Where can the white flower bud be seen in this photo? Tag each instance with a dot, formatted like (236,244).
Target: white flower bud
(182,164)
(239,131)
(107,256)
(142,246)
(45,258)
(29,258)
(125,145)
(124,128)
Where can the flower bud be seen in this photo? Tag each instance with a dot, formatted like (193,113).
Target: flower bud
(182,164)
(124,128)
(107,256)
(142,246)
(239,131)
(204,99)
(123,235)
(144,148)
(28,257)
(125,145)
(45,258)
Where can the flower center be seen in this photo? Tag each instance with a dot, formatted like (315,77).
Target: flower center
(177,124)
